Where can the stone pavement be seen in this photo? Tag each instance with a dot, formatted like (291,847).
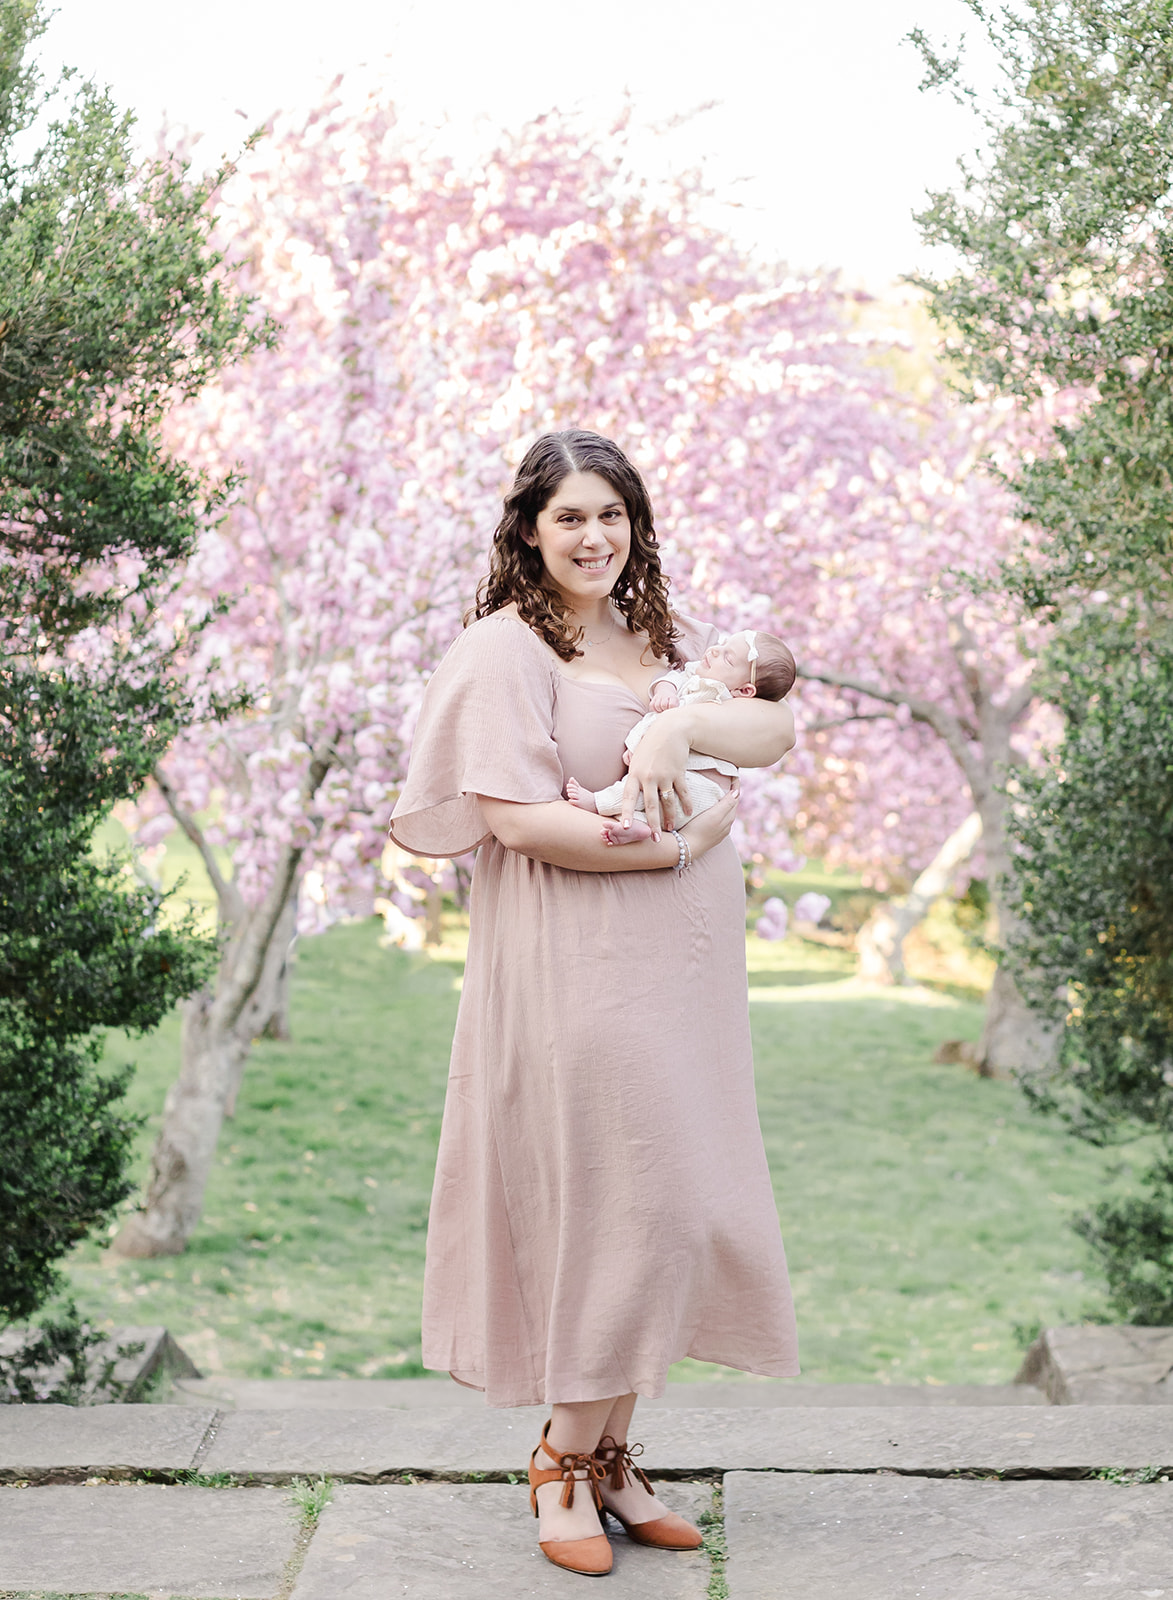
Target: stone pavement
(828,1501)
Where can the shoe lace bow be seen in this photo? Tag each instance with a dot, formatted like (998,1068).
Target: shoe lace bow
(618,1460)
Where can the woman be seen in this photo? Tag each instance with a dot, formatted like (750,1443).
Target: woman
(602,1206)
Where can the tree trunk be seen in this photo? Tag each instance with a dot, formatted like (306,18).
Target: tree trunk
(880,946)
(219,1026)
(1016,1040)
(216,1043)
(276,1024)
(186,1146)
(880,942)
(268,1007)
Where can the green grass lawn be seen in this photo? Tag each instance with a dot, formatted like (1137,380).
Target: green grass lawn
(924,1209)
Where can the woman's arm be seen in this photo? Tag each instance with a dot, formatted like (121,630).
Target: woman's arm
(564,836)
(750,733)
(561,834)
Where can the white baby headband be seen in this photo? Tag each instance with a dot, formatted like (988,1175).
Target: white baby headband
(751,652)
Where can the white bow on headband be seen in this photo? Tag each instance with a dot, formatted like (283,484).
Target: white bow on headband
(751,652)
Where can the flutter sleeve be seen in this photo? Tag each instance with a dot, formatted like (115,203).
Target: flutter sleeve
(485,727)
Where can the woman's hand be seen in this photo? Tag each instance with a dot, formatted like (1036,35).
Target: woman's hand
(657,771)
(713,825)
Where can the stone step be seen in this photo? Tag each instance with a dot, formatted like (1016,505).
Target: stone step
(59,1442)
(790,1536)
(410,1394)
(80,1441)
(1097,1365)
(146,1539)
(895,1538)
(367,1445)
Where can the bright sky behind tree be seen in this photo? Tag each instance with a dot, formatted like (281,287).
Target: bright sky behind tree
(819,139)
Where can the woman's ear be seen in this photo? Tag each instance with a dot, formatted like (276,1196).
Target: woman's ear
(746,690)
(528,535)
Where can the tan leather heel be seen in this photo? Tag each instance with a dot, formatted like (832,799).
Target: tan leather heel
(663,1533)
(591,1556)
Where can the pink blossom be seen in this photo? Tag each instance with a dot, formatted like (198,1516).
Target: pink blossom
(772,922)
(811,907)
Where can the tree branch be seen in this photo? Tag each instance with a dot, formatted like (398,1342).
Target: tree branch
(253,950)
(964,645)
(841,722)
(951,728)
(231,904)
(1018,702)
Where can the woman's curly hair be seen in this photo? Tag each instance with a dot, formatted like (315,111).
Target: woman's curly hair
(518,574)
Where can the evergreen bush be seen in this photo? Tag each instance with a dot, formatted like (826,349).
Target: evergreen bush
(112,307)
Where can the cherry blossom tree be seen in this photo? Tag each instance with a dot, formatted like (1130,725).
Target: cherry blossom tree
(434,319)
(919,693)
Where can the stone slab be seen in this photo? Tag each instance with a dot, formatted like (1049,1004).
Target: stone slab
(146,1538)
(159,1357)
(767,1394)
(99,1439)
(416,1394)
(891,1538)
(1057,1440)
(327,1394)
(1102,1365)
(436,1541)
(138,1354)
(369,1445)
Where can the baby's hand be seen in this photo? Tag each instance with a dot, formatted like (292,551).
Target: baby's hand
(664,698)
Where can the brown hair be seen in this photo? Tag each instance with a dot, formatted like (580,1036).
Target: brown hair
(518,574)
(776,670)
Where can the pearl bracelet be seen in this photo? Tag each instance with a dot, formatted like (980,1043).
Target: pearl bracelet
(685,859)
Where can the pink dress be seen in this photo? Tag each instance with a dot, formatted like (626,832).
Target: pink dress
(602,1205)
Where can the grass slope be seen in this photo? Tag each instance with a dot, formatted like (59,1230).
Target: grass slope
(924,1209)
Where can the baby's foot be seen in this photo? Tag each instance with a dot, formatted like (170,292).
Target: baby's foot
(615,833)
(578,796)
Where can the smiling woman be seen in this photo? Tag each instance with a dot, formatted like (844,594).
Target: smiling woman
(602,1205)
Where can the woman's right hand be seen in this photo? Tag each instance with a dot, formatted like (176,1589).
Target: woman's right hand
(713,825)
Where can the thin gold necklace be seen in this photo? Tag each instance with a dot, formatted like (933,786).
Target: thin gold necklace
(592,642)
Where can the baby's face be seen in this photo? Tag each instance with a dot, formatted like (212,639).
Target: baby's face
(728,663)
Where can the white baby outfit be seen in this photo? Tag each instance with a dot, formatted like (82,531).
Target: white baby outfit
(702,792)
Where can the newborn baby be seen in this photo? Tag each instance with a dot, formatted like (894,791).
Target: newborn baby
(739,667)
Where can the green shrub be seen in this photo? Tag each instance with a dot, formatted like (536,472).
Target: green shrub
(112,306)
(1133,1237)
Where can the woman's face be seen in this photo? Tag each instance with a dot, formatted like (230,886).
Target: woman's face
(584,536)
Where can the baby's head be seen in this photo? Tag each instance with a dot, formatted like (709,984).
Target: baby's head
(769,674)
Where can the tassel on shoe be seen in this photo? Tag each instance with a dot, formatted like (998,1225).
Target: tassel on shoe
(591,1556)
(616,1465)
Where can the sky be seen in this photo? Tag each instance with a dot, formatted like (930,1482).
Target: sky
(818,142)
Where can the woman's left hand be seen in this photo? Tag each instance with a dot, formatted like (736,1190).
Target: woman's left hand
(657,771)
